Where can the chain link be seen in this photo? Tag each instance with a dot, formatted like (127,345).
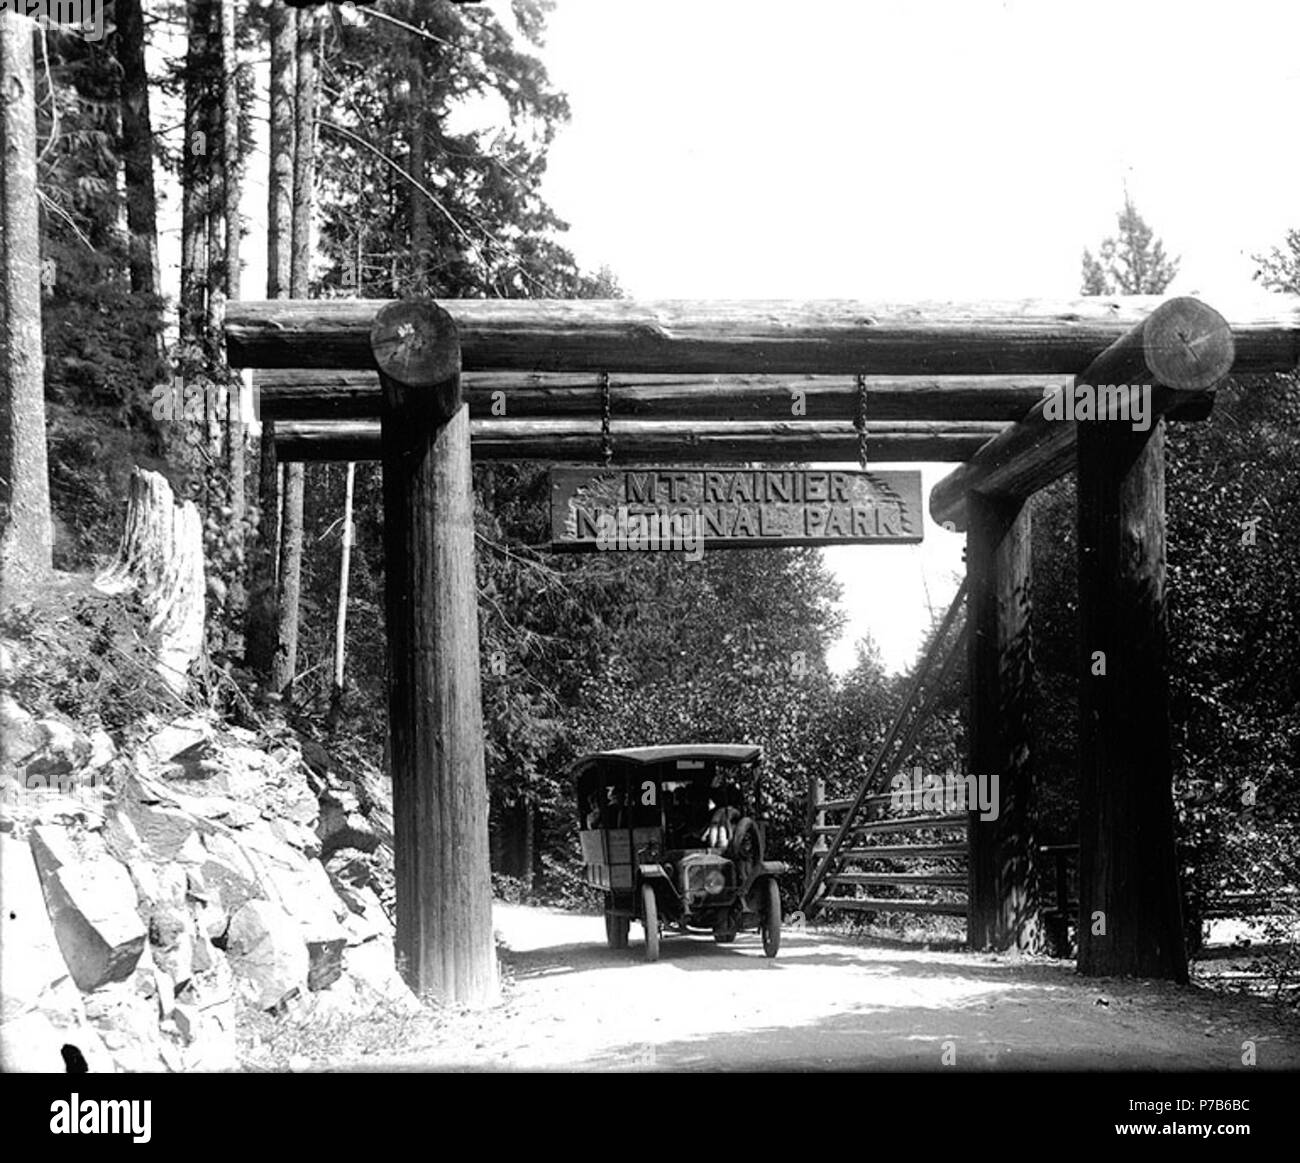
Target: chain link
(860,421)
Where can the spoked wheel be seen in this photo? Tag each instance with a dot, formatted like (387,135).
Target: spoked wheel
(770,922)
(616,927)
(650,918)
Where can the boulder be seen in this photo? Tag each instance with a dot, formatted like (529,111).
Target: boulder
(102,749)
(342,824)
(210,1035)
(63,751)
(303,889)
(161,829)
(180,741)
(54,848)
(373,970)
(172,935)
(92,905)
(156,884)
(212,920)
(32,962)
(55,1039)
(122,838)
(266,950)
(205,953)
(20,736)
(228,875)
(352,878)
(128,1024)
(296,836)
(53,807)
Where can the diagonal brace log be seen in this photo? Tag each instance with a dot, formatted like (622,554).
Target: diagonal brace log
(1183,347)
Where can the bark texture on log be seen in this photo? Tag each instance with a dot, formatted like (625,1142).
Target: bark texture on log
(667,441)
(26,533)
(826,337)
(161,558)
(440,800)
(279,232)
(1130,910)
(1182,348)
(1002,910)
(303,394)
(263,618)
(137,149)
(285,663)
(259,627)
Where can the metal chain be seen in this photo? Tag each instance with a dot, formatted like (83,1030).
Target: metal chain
(606,441)
(860,422)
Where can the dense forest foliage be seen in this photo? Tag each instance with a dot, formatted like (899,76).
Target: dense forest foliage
(610,649)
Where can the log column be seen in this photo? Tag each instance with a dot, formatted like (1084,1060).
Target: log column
(1130,918)
(1003,909)
(1129,908)
(440,803)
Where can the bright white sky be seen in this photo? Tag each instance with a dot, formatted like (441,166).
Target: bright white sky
(744,148)
(909,150)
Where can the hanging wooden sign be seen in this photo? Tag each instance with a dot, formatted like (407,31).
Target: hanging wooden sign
(644,508)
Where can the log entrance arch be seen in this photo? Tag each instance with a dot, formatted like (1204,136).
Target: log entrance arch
(711,383)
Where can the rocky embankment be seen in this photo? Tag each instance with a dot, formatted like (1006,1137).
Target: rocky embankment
(157,896)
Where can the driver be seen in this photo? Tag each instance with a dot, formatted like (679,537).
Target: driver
(722,826)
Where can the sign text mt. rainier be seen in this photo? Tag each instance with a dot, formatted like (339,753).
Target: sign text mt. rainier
(736,507)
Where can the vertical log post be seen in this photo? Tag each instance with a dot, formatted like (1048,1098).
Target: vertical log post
(440,803)
(1003,910)
(1130,916)
(816,818)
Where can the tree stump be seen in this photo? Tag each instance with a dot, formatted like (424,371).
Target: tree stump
(161,559)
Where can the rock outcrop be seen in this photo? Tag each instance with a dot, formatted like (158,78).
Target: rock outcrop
(153,894)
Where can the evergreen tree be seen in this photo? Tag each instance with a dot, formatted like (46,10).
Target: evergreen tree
(1279,270)
(1133,262)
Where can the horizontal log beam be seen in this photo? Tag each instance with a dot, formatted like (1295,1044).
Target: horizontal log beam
(905,824)
(664,441)
(311,394)
(904,852)
(893,905)
(826,337)
(1183,347)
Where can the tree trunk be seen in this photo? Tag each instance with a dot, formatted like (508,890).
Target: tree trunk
(306,92)
(341,621)
(235,432)
(195,173)
(286,652)
(304,166)
(279,229)
(417,163)
(137,149)
(26,534)
(262,622)
(161,557)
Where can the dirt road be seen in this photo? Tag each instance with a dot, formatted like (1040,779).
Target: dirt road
(829,1003)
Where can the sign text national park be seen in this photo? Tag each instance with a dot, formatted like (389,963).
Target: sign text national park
(676,508)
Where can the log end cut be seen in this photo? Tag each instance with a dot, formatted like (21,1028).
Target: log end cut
(416,346)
